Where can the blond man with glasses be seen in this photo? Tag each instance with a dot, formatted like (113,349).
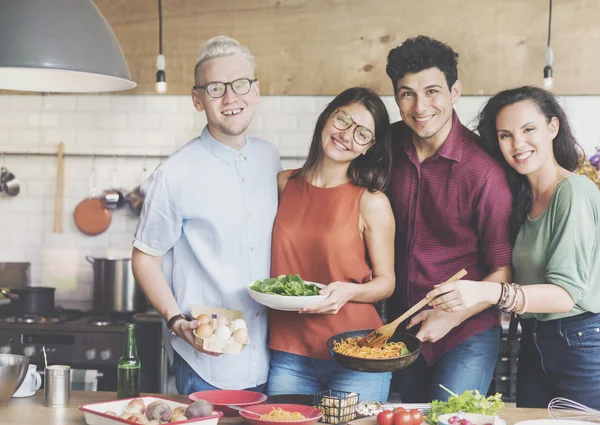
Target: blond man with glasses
(205,229)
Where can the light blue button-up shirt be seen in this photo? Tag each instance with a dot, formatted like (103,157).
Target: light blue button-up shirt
(209,209)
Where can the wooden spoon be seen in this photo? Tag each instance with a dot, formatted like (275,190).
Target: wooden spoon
(380,335)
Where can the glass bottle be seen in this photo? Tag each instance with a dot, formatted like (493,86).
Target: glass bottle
(129,367)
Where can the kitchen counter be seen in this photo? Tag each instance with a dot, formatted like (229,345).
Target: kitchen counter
(31,410)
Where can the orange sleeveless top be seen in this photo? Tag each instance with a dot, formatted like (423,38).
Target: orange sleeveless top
(316,236)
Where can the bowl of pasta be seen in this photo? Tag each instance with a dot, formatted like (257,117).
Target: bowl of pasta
(401,350)
(281,414)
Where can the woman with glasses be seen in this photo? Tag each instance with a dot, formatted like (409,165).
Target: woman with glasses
(334,226)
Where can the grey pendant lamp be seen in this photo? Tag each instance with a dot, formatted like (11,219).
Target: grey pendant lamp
(59,46)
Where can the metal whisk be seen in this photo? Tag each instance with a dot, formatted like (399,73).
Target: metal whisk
(563,408)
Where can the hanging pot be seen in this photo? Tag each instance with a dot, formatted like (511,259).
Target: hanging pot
(31,301)
(9,183)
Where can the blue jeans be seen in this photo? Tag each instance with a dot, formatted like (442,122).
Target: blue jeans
(187,380)
(559,358)
(294,374)
(468,366)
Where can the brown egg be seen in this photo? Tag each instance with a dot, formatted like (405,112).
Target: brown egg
(204,330)
(204,318)
(241,335)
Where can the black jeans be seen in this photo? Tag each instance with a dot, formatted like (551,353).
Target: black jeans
(559,358)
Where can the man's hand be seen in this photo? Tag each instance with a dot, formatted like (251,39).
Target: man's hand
(435,324)
(185,330)
(339,294)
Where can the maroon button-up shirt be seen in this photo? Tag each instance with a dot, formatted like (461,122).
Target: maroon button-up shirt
(451,212)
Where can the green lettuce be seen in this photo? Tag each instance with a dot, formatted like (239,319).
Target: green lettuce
(287,285)
(467,402)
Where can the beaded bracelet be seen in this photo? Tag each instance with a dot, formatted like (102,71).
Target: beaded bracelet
(504,304)
(516,300)
(524,309)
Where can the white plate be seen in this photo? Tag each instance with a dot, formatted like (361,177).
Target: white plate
(286,302)
(94,412)
(475,418)
(552,422)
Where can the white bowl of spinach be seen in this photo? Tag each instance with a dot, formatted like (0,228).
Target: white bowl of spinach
(286,292)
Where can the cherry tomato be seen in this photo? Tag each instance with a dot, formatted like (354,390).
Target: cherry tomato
(402,418)
(417,417)
(399,409)
(385,418)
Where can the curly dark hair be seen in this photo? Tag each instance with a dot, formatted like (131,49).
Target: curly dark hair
(371,170)
(418,54)
(565,146)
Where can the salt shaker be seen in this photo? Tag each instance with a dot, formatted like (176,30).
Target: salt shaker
(57,386)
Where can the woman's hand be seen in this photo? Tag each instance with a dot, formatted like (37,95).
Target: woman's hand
(185,330)
(461,295)
(339,294)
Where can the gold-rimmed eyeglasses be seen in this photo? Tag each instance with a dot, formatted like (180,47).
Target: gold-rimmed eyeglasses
(217,89)
(343,121)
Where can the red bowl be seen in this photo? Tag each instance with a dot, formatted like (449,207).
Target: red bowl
(221,398)
(312,414)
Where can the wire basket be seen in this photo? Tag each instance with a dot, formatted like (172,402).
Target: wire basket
(338,407)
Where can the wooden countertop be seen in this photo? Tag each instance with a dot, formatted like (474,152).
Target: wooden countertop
(31,410)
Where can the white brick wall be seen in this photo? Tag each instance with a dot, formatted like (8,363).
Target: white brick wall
(151,125)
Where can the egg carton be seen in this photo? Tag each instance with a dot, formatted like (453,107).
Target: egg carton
(215,344)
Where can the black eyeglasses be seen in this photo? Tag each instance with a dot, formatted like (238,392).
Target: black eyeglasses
(343,121)
(217,89)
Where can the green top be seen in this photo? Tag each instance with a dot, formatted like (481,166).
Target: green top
(562,246)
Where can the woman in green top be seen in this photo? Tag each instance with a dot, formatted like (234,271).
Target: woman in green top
(555,227)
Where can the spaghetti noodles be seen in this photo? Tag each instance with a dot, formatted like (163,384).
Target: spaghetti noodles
(350,347)
(278,414)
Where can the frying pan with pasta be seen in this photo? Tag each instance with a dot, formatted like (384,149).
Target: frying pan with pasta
(375,365)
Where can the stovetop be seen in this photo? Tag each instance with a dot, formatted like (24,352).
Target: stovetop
(69,320)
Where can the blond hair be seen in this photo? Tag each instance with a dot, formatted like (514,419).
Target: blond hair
(221,46)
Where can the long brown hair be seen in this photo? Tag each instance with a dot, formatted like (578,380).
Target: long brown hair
(371,170)
(565,146)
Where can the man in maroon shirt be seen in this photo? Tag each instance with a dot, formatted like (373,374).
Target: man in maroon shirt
(452,203)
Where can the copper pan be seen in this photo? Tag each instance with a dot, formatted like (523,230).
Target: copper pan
(91,215)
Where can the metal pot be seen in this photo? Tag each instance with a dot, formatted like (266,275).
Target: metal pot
(115,288)
(31,301)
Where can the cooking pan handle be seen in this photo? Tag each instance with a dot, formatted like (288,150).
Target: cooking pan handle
(90,259)
(8,295)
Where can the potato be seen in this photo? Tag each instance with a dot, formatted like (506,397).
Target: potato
(178,418)
(137,418)
(136,406)
(179,410)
